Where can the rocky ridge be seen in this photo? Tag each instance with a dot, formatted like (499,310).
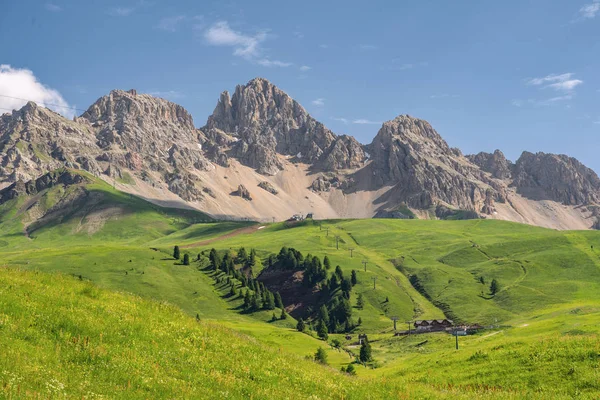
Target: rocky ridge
(130,137)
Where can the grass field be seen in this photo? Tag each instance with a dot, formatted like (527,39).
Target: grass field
(546,312)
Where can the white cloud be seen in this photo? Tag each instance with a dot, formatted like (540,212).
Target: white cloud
(517,103)
(244,45)
(18,86)
(590,10)
(220,34)
(121,11)
(343,120)
(320,102)
(170,24)
(323,46)
(362,121)
(566,86)
(562,82)
(265,62)
(367,47)
(52,7)
(299,35)
(169,94)
(305,68)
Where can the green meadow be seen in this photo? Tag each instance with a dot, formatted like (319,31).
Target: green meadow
(65,282)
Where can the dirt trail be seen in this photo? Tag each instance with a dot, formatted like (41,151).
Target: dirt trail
(241,231)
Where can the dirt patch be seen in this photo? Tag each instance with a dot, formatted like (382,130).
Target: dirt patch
(241,231)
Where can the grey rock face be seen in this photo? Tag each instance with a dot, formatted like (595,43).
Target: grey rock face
(264,122)
(494,163)
(243,193)
(555,177)
(268,187)
(59,177)
(409,154)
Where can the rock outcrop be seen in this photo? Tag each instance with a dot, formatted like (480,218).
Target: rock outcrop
(410,155)
(494,163)
(46,181)
(136,139)
(265,123)
(555,177)
(268,187)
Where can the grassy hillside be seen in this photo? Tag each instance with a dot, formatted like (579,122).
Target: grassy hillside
(67,339)
(545,312)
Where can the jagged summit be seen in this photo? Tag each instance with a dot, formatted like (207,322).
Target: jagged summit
(259,135)
(267,123)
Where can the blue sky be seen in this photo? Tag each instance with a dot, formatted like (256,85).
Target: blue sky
(514,75)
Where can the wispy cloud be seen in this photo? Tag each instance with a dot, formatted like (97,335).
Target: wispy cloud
(590,10)
(565,84)
(265,62)
(169,94)
(121,11)
(305,68)
(170,24)
(247,46)
(561,82)
(299,35)
(362,121)
(359,121)
(323,46)
(320,102)
(52,7)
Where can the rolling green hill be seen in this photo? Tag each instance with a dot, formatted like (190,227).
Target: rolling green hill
(544,315)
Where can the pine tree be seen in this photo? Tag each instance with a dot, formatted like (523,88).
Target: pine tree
(354,280)
(233,291)
(326,263)
(176,253)
(283,314)
(278,301)
(252,259)
(324,315)
(247,300)
(365,351)
(254,304)
(494,287)
(322,330)
(339,272)
(242,256)
(215,261)
(321,356)
(273,318)
(359,322)
(360,301)
(300,326)
(350,369)
(186,259)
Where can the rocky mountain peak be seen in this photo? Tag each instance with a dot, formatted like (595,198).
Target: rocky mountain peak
(494,163)
(266,123)
(121,107)
(557,177)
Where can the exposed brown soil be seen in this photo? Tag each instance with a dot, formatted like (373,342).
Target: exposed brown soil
(241,231)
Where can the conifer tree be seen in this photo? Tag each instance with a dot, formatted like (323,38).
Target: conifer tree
(494,287)
(252,258)
(186,259)
(242,256)
(339,272)
(233,291)
(324,315)
(365,351)
(322,330)
(176,253)
(359,322)
(283,314)
(300,326)
(278,301)
(321,356)
(326,263)
(353,280)
(247,300)
(360,301)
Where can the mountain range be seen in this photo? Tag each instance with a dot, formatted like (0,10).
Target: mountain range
(261,156)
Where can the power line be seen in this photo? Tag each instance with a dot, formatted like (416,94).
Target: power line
(40,102)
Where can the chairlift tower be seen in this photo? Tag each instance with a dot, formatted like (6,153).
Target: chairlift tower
(365,264)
